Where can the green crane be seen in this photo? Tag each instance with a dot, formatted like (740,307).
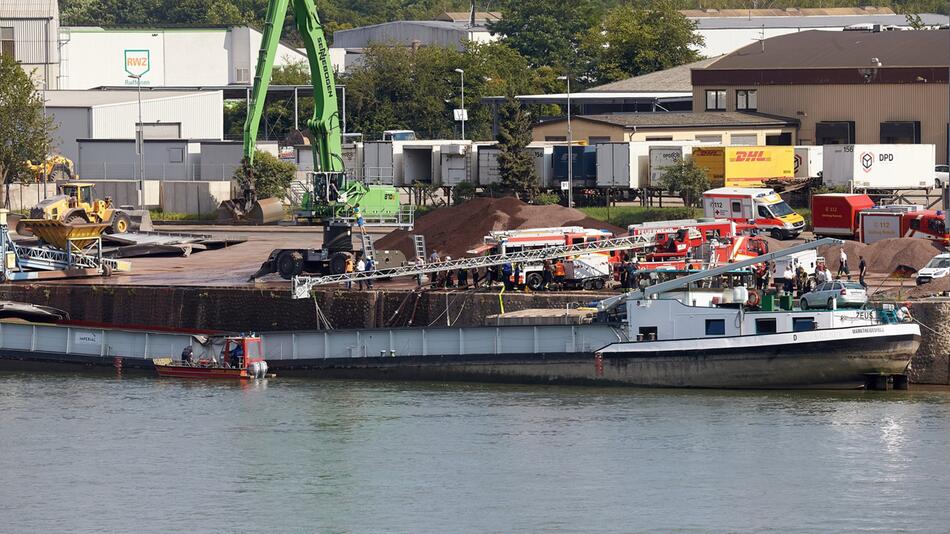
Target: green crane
(324,126)
(331,198)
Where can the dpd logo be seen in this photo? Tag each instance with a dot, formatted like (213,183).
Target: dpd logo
(867,161)
(798,162)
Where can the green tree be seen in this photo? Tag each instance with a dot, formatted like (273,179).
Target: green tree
(546,32)
(398,88)
(631,41)
(463,192)
(25,133)
(271,176)
(515,163)
(687,180)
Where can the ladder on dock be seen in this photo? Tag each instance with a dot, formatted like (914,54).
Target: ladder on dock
(419,243)
(303,284)
(368,250)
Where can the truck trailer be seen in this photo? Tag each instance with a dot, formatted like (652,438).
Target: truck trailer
(745,166)
(879,166)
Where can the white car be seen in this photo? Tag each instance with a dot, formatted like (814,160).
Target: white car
(938,267)
(941,175)
(844,292)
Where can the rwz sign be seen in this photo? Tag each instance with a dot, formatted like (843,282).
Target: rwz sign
(750,155)
(137,62)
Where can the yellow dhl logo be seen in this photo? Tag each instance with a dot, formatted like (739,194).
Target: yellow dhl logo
(750,155)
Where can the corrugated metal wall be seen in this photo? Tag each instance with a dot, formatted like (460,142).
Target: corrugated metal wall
(200,115)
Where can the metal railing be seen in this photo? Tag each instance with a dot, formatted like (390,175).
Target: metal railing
(303,284)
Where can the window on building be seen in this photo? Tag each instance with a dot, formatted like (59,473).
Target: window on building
(744,140)
(746,100)
(717,139)
(900,132)
(715,100)
(834,133)
(715,327)
(555,138)
(765,326)
(659,138)
(6,42)
(595,139)
(782,139)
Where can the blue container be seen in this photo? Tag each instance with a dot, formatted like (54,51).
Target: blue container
(585,165)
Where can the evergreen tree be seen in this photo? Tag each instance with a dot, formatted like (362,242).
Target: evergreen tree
(515,163)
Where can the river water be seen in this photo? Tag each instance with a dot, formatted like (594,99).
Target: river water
(135,454)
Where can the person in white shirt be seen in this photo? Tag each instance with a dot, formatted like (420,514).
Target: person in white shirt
(788,276)
(360,268)
(843,268)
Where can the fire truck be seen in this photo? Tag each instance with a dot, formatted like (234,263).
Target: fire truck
(587,271)
(698,243)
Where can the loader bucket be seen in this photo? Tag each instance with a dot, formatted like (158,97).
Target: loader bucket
(266,211)
(141,220)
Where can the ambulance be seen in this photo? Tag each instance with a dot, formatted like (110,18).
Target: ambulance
(761,208)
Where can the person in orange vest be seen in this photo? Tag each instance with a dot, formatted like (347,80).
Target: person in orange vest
(349,270)
(559,274)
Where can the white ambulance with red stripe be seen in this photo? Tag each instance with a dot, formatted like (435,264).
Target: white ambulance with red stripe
(759,207)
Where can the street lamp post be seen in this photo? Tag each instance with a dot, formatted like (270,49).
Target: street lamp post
(570,146)
(462,72)
(140,141)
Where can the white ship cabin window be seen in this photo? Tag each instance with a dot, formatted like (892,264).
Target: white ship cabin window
(715,327)
(647,333)
(765,326)
(803,324)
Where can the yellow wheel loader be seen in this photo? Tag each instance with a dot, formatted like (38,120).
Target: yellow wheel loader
(75,205)
(54,169)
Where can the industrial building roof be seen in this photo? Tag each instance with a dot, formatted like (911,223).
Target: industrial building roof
(816,49)
(843,21)
(718,119)
(787,12)
(481,17)
(676,79)
(25,9)
(88,99)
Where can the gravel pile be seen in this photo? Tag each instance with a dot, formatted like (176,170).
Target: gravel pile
(454,230)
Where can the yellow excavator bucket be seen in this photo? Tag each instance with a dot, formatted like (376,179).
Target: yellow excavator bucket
(59,234)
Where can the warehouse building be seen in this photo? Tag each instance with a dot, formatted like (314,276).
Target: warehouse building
(842,87)
(726,30)
(173,57)
(29,31)
(727,128)
(114,115)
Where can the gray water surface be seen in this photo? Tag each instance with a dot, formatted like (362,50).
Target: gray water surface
(137,454)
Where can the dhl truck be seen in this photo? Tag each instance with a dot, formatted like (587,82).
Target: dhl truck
(762,208)
(745,166)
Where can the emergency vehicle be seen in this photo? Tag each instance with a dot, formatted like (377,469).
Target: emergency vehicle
(884,222)
(761,208)
(588,271)
(697,243)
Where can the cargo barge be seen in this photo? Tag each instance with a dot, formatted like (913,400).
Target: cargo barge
(637,339)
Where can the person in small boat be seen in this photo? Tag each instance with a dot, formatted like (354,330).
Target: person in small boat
(237,354)
(186,354)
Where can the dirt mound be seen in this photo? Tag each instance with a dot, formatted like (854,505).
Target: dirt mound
(884,256)
(454,230)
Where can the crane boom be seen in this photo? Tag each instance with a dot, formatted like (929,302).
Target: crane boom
(324,126)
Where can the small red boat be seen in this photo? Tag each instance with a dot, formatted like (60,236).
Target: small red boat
(240,359)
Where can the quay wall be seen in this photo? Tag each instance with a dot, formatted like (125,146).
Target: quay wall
(261,310)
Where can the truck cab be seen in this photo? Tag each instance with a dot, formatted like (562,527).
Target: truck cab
(759,207)
(399,135)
